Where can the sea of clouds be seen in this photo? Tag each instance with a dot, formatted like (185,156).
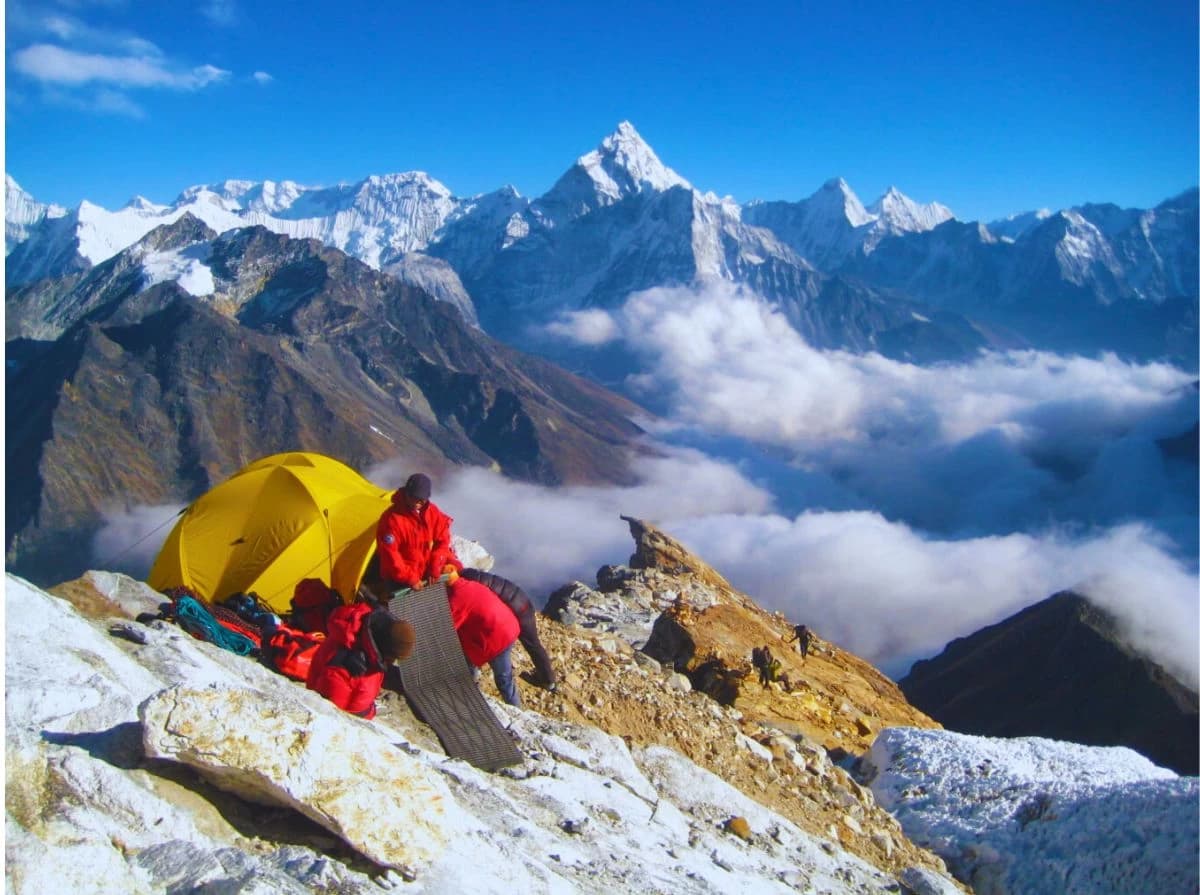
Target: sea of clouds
(892,507)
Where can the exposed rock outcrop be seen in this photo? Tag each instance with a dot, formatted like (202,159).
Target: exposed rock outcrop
(696,623)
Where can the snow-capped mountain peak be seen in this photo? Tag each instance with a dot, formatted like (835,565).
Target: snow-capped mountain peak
(836,199)
(22,212)
(624,163)
(900,214)
(141,203)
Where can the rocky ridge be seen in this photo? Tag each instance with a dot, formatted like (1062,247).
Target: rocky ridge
(835,706)
(641,711)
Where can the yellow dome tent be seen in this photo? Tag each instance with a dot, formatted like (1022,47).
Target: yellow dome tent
(279,520)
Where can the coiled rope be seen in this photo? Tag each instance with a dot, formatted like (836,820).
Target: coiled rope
(199,622)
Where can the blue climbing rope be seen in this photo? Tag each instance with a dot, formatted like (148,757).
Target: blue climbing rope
(199,622)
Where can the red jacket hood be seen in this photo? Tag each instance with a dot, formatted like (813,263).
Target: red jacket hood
(348,630)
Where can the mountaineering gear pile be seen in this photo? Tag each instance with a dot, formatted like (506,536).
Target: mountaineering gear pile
(290,651)
(205,621)
(279,520)
(195,618)
(312,603)
(414,544)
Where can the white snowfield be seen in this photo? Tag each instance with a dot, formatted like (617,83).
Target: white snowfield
(1032,816)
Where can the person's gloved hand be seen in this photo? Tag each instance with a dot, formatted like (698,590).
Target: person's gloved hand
(451,573)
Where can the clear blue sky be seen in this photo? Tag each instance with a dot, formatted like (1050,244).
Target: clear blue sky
(990,108)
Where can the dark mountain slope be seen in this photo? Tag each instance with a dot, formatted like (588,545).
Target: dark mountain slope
(1060,669)
(152,396)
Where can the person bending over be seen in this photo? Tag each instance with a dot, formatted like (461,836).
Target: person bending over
(361,642)
(487,630)
(518,601)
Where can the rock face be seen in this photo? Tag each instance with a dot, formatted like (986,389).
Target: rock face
(263,747)
(294,345)
(1059,669)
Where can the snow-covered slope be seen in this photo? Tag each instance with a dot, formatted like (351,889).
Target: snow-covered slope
(1013,226)
(1032,816)
(141,760)
(896,214)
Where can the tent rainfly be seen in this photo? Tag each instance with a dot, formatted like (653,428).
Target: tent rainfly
(279,520)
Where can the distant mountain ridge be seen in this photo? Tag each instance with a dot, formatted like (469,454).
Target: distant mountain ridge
(191,352)
(1060,669)
(619,220)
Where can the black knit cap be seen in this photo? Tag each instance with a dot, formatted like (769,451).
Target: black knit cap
(418,486)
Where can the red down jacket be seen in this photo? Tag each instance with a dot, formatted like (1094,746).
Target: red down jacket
(485,626)
(413,545)
(329,674)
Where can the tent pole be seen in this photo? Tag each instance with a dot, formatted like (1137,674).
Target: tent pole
(329,537)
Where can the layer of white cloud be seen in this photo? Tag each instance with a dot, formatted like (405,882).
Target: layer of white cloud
(1007,442)
(220,12)
(731,363)
(892,594)
(881,589)
(544,537)
(946,498)
(131,537)
(57,65)
(588,327)
(71,30)
(97,68)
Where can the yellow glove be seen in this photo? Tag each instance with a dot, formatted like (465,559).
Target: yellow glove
(451,573)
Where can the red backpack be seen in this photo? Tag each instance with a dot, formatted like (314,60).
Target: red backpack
(290,651)
(311,604)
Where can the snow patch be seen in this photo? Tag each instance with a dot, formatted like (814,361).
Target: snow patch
(187,267)
(1039,817)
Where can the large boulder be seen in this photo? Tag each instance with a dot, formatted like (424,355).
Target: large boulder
(268,748)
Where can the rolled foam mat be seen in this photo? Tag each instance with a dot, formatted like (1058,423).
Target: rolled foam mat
(439,682)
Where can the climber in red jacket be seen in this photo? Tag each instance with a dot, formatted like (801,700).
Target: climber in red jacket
(413,537)
(348,668)
(487,630)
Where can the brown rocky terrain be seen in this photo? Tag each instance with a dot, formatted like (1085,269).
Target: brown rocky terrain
(772,744)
